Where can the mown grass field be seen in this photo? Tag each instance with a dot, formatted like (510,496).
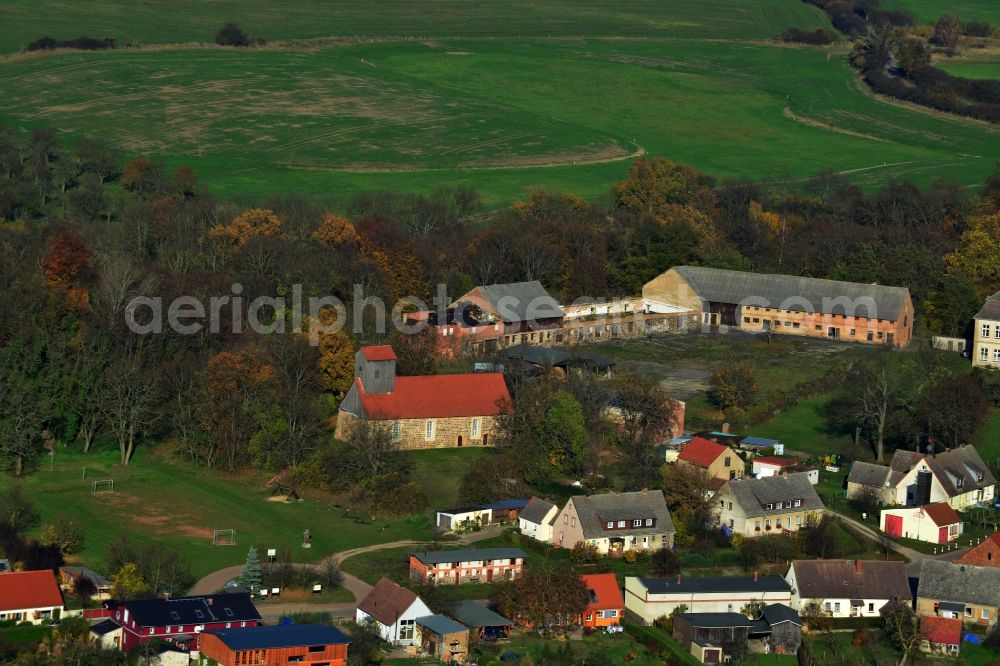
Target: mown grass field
(929,11)
(184,21)
(498,115)
(161,499)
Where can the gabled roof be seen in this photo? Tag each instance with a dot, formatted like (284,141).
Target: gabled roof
(850,579)
(754,494)
(991,308)
(776,461)
(378,353)
(536,510)
(941,630)
(715,584)
(778,613)
(702,452)
(387,601)
(763,442)
(790,292)
(281,636)
(468,555)
(83,572)
(604,591)
(437,396)
(595,510)
(521,301)
(476,615)
(868,474)
(717,620)
(941,513)
(192,610)
(978,554)
(24,590)
(961,465)
(104,628)
(946,581)
(440,625)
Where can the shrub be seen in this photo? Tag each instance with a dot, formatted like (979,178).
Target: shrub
(231,34)
(65,534)
(584,553)
(84,43)
(977,29)
(817,37)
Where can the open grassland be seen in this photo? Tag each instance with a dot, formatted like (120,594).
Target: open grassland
(160,499)
(497,115)
(974,67)
(929,11)
(184,21)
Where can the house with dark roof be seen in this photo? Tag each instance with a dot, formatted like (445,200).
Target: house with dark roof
(393,611)
(69,577)
(471,565)
(846,588)
(933,523)
(528,313)
(30,596)
(484,623)
(770,505)
(715,460)
(537,518)
(956,476)
(424,412)
(181,620)
(647,599)
(963,591)
(615,522)
(283,644)
(789,304)
(713,637)
(107,634)
(985,554)
(606,604)
(986,334)
(536,359)
(443,638)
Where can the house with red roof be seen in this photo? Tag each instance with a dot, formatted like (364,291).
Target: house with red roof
(933,523)
(986,554)
(30,596)
(719,462)
(606,605)
(940,634)
(423,412)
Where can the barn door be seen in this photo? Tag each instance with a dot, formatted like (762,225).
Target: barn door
(894,525)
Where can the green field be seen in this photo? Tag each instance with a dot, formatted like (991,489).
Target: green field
(929,11)
(161,499)
(971,68)
(184,21)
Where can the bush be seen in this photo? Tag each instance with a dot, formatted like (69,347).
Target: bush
(977,29)
(65,534)
(83,43)
(393,494)
(231,34)
(816,37)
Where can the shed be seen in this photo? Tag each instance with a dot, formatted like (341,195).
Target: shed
(486,624)
(933,523)
(443,638)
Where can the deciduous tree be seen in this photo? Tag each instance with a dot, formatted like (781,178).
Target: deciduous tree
(733,387)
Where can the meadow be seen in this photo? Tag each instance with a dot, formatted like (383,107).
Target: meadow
(501,116)
(929,11)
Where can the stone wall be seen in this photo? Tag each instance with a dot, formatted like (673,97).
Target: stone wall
(447,431)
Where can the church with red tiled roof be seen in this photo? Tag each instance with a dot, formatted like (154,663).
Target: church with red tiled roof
(423,412)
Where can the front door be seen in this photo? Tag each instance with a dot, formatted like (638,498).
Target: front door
(894,525)
(942,535)
(489,575)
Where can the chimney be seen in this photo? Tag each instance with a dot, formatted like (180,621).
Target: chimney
(725,427)
(678,579)
(209,600)
(756,576)
(857,566)
(645,490)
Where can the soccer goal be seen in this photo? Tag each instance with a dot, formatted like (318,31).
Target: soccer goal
(224,538)
(102,487)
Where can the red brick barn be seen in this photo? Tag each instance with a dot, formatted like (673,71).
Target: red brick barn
(273,646)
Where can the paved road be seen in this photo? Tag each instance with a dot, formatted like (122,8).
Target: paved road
(272,612)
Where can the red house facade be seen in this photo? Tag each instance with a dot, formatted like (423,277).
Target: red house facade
(606,605)
(183,619)
(453,567)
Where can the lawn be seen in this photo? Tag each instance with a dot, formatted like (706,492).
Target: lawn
(498,115)
(989,446)
(929,11)
(439,472)
(801,428)
(185,21)
(160,499)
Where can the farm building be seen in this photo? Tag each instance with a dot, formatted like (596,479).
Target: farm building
(459,517)
(772,505)
(483,623)
(715,637)
(475,565)
(283,644)
(963,591)
(425,412)
(505,512)
(848,589)
(442,637)
(537,518)
(69,576)
(649,598)
(393,610)
(719,462)
(789,305)
(986,554)
(615,522)
(30,596)
(771,465)
(933,523)
(622,318)
(528,313)
(940,635)
(606,606)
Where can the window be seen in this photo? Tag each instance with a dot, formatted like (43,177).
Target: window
(728,460)
(768,507)
(637,522)
(429,430)
(572,521)
(475,428)
(788,504)
(826,607)
(984,353)
(869,336)
(397,431)
(621,523)
(819,327)
(797,502)
(836,607)
(756,525)
(996,355)
(985,614)
(198,614)
(996,333)
(756,320)
(777,523)
(968,612)
(649,522)
(767,524)
(722,504)
(405,630)
(730,506)
(854,332)
(880,335)
(986,330)
(795,324)
(611,524)
(746,320)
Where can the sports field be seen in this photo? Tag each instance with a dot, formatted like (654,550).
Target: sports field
(498,115)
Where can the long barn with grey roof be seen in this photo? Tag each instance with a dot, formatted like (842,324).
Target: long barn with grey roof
(789,304)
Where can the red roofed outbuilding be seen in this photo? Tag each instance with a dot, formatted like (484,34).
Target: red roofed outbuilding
(424,412)
(607,604)
(934,523)
(718,461)
(942,634)
(30,596)
(986,554)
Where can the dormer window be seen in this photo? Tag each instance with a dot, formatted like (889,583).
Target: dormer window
(198,614)
(768,507)
(611,524)
(798,503)
(175,615)
(621,523)
(649,522)
(788,504)
(961,482)
(637,522)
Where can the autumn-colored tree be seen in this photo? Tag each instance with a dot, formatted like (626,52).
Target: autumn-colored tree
(127,582)
(335,231)
(184,181)
(543,595)
(733,387)
(947,32)
(143,176)
(978,254)
(778,226)
(336,362)
(235,383)
(653,184)
(252,223)
(68,257)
